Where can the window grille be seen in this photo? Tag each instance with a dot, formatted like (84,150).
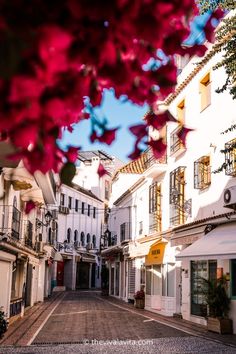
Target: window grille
(202,173)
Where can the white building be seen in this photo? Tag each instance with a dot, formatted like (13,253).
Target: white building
(80,219)
(179,223)
(23,260)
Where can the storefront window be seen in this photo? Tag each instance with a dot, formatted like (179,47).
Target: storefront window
(168,279)
(142,275)
(199,270)
(156,280)
(148,280)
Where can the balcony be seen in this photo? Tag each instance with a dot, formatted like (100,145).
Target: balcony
(11,221)
(152,166)
(176,145)
(65,247)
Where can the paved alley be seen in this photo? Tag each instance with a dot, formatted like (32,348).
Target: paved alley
(85,322)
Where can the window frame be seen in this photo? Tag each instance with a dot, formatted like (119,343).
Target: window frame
(202,173)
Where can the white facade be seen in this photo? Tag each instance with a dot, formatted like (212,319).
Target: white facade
(87,176)
(80,219)
(22,261)
(190,197)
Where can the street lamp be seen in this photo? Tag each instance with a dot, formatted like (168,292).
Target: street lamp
(106,237)
(47,217)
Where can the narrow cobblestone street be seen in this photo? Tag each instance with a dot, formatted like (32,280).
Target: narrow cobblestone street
(85,322)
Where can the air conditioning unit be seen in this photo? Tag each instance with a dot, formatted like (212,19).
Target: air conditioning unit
(39,246)
(230,197)
(64,210)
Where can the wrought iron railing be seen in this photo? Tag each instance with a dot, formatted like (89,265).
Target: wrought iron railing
(15,307)
(175,142)
(29,234)
(150,159)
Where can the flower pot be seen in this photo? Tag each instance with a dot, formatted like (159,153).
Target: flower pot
(139,303)
(220,325)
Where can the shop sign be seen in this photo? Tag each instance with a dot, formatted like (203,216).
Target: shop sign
(156,254)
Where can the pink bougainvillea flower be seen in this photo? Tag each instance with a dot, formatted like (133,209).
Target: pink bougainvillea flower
(182,134)
(158,121)
(93,137)
(101,171)
(139,130)
(108,136)
(72,154)
(23,135)
(135,154)
(158,147)
(29,205)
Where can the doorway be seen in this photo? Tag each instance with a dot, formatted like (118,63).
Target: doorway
(60,273)
(82,275)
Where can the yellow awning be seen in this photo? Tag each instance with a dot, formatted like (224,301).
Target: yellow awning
(156,253)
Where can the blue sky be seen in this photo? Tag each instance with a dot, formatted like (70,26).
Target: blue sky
(120,114)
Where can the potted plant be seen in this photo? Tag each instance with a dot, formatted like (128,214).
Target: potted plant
(3,324)
(218,301)
(139,299)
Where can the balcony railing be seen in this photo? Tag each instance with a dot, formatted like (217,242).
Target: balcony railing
(150,160)
(65,247)
(176,144)
(11,221)
(29,234)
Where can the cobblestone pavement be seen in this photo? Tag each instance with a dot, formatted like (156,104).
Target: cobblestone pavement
(84,322)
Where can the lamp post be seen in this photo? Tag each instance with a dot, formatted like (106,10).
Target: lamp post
(48,219)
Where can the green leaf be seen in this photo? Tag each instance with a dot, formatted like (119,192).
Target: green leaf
(67,173)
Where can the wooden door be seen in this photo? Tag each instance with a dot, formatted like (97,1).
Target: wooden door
(60,273)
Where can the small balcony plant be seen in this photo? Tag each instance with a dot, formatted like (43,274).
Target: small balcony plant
(139,299)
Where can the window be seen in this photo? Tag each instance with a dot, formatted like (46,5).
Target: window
(156,279)
(142,275)
(83,207)
(233,278)
(177,196)
(168,279)
(148,280)
(140,227)
(70,202)
(94,241)
(176,145)
(124,231)
(202,173)
(69,235)
(88,210)
(154,207)
(75,236)
(16,217)
(230,158)
(205,91)
(88,238)
(107,189)
(94,212)
(76,205)
(181,112)
(62,199)
(82,238)
(199,270)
